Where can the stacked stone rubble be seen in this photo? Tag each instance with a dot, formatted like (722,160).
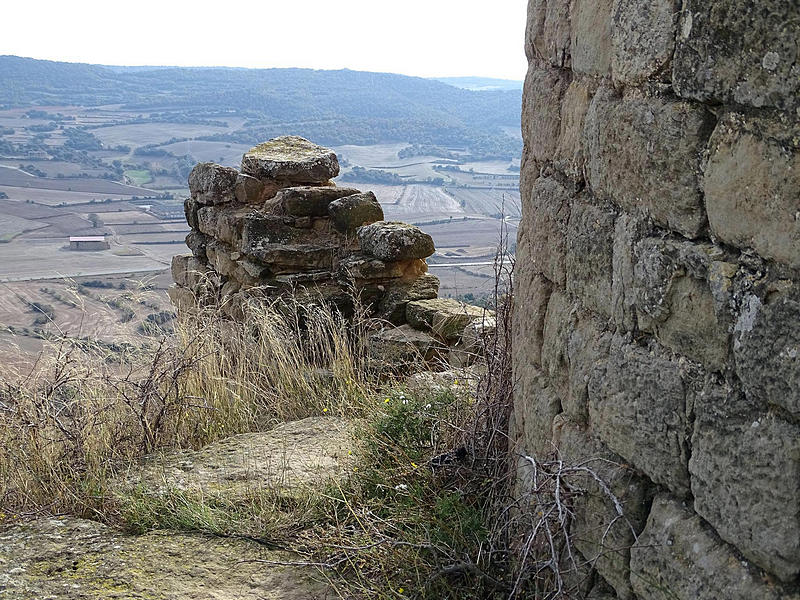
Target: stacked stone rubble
(657,320)
(280,226)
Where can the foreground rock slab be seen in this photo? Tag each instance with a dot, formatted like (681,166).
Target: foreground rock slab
(291,458)
(71,559)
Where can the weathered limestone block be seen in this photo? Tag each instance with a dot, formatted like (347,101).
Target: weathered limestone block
(587,344)
(536,404)
(309,201)
(745,471)
(589,256)
(392,306)
(479,334)
(390,241)
(547,33)
(643,39)
(545,228)
(210,183)
(197,243)
(190,208)
(255,228)
(752,184)
(403,346)
(679,558)
(189,272)
(249,190)
(528,317)
(558,322)
(644,155)
(358,266)
(767,351)
(351,212)
(628,230)
(638,405)
(675,302)
(541,110)
(742,51)
(600,533)
(223,223)
(569,156)
(291,158)
(292,258)
(447,318)
(232,264)
(590,22)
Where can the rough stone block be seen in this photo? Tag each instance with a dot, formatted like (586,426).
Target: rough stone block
(190,208)
(751,185)
(589,257)
(249,190)
(231,264)
(223,223)
(767,351)
(544,228)
(291,258)
(675,301)
(558,322)
(390,241)
(644,155)
(291,158)
(309,201)
(358,266)
(602,535)
(569,155)
(590,22)
(479,334)
(679,558)
(447,318)
(187,271)
(587,344)
(536,404)
(628,230)
(739,51)
(254,228)
(547,32)
(197,243)
(745,471)
(392,305)
(528,317)
(351,212)
(638,405)
(402,347)
(643,39)
(424,314)
(210,183)
(542,96)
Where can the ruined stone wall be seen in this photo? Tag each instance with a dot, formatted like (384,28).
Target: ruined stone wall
(657,320)
(280,226)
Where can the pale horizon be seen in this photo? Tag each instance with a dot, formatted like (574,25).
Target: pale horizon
(449,38)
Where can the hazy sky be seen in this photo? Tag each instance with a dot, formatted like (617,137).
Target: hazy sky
(414,37)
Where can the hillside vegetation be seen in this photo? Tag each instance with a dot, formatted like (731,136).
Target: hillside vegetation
(331,107)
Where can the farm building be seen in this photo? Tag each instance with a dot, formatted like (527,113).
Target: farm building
(93,242)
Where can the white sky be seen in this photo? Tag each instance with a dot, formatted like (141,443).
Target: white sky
(426,38)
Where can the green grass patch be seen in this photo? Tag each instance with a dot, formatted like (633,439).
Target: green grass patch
(138,176)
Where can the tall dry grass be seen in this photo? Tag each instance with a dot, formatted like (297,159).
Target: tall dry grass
(84,412)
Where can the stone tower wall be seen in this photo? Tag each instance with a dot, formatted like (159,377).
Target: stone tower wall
(657,322)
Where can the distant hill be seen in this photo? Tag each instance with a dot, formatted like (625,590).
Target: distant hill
(331,107)
(481,84)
